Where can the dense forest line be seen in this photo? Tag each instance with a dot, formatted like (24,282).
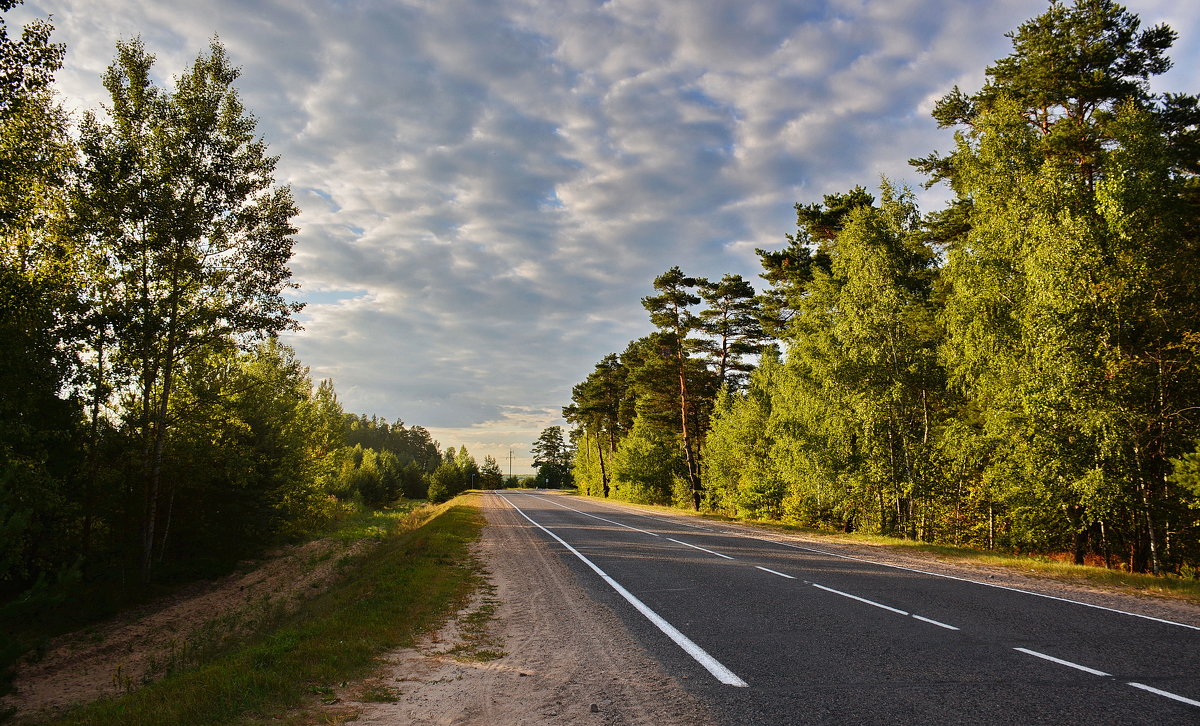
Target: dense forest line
(152,426)
(1019,370)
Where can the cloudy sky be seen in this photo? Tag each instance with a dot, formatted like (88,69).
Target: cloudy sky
(489,187)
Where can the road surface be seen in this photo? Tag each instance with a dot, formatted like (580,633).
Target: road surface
(767,631)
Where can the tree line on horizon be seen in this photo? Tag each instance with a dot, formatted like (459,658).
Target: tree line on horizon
(1019,370)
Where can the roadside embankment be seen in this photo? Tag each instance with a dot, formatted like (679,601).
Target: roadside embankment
(258,644)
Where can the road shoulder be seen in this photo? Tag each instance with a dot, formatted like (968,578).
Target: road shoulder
(550,653)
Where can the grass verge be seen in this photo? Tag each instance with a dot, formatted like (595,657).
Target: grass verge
(402,588)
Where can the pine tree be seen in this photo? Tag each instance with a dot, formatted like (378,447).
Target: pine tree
(1070,274)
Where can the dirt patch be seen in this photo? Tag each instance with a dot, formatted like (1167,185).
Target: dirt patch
(175,632)
(532,648)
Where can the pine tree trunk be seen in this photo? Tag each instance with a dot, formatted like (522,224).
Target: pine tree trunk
(603,472)
(689,457)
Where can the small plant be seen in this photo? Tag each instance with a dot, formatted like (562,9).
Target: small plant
(122,681)
(377,693)
(325,693)
(484,655)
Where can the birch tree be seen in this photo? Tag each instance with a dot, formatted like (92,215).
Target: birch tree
(179,190)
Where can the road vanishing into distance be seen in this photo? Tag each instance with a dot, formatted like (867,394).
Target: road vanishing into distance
(767,631)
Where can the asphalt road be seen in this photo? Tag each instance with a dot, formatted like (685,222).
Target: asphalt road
(771,632)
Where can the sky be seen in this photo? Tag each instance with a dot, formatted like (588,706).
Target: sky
(489,187)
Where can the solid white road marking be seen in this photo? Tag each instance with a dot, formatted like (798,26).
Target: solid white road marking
(712,665)
(861,599)
(773,572)
(931,621)
(1167,694)
(698,547)
(1060,661)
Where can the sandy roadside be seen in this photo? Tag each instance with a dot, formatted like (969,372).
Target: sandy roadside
(567,660)
(140,645)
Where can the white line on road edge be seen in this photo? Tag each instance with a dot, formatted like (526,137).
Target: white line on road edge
(931,621)
(773,572)
(712,665)
(1060,661)
(735,533)
(964,579)
(602,519)
(698,547)
(861,599)
(1167,694)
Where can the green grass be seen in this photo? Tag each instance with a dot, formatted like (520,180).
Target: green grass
(401,588)
(1132,582)
(381,523)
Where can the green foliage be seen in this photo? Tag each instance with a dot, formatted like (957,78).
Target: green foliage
(40,431)
(151,425)
(592,463)
(596,411)
(190,238)
(1020,370)
(739,477)
(490,476)
(646,466)
(1072,290)
(732,327)
(445,482)
(552,456)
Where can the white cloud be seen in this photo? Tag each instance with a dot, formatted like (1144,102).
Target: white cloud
(488,188)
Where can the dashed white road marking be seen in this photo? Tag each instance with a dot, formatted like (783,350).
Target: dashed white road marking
(773,572)
(711,664)
(861,599)
(602,519)
(650,516)
(1166,694)
(931,621)
(735,533)
(725,676)
(1060,661)
(698,547)
(965,579)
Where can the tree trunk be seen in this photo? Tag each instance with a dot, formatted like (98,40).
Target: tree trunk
(693,473)
(991,526)
(1104,546)
(160,433)
(603,472)
(1152,538)
(162,545)
(93,464)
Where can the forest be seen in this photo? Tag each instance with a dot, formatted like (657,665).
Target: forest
(153,428)
(1018,370)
